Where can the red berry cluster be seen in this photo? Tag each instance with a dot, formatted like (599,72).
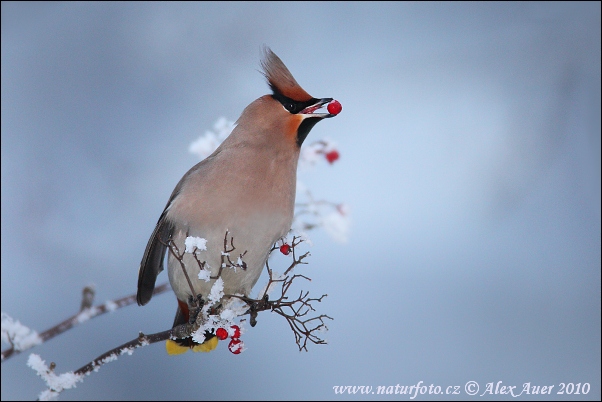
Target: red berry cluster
(235,346)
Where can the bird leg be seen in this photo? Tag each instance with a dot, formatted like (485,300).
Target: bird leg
(195,305)
(255,306)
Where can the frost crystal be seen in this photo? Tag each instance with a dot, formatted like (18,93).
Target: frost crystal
(86,314)
(17,334)
(192,242)
(111,306)
(337,225)
(55,383)
(223,127)
(232,308)
(228,315)
(217,292)
(205,275)
(208,142)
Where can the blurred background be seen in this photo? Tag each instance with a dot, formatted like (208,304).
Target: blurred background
(470,163)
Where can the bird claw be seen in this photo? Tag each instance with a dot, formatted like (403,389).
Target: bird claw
(255,306)
(195,305)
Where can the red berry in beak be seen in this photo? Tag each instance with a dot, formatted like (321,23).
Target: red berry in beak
(235,346)
(221,334)
(236,329)
(334,107)
(331,157)
(285,249)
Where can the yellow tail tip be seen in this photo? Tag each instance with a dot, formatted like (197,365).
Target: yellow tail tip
(173,348)
(206,346)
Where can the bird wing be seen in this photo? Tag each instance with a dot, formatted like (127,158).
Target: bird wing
(152,260)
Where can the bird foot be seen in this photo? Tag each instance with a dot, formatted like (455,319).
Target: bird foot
(256,306)
(195,305)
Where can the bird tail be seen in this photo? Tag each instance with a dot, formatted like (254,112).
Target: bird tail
(179,346)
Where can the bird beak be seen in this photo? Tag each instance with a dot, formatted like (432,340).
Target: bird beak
(313,110)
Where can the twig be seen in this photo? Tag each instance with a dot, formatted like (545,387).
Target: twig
(81,317)
(293,311)
(305,329)
(128,347)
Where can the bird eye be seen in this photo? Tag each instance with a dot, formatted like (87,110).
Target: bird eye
(290,107)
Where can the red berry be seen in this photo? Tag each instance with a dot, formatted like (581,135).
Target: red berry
(235,346)
(236,330)
(334,107)
(221,334)
(331,157)
(285,249)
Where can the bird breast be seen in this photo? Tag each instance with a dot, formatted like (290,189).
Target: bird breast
(247,191)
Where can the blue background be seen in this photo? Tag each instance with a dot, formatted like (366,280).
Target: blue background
(470,160)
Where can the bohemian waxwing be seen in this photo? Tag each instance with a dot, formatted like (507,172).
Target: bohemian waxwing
(246,187)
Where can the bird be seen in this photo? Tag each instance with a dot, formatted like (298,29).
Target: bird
(245,189)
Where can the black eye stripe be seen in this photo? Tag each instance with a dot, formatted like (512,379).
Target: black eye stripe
(291,105)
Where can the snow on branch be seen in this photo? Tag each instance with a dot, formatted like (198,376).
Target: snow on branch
(205,317)
(56,383)
(294,310)
(21,338)
(208,315)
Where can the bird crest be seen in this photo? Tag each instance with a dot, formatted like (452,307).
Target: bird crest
(280,78)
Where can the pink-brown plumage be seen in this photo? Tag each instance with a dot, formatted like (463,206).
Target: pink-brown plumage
(246,187)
